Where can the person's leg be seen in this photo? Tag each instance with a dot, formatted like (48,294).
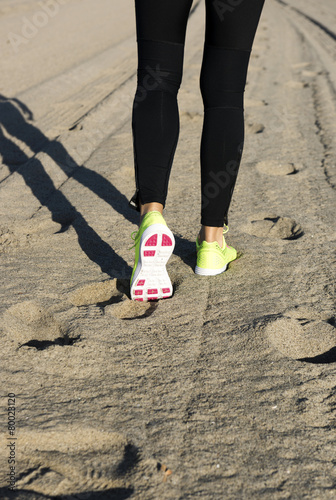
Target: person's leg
(230,31)
(161,27)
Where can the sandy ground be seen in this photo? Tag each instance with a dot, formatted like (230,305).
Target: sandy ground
(226,390)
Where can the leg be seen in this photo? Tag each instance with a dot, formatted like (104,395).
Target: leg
(230,31)
(161,27)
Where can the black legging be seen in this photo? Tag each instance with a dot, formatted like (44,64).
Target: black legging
(229,34)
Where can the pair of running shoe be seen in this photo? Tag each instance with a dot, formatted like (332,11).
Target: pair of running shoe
(154,243)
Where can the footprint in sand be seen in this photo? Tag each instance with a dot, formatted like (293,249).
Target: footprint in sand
(40,224)
(272,167)
(129,309)
(22,232)
(254,128)
(29,323)
(191,115)
(113,296)
(303,333)
(74,460)
(98,293)
(7,238)
(274,226)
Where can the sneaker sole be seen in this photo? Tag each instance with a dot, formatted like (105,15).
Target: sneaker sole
(209,272)
(151,280)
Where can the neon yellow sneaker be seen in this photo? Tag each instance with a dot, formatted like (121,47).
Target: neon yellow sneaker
(154,244)
(211,258)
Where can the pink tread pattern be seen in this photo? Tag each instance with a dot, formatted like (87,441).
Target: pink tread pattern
(166,241)
(152,241)
(142,290)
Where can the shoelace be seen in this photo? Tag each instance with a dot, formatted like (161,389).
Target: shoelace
(134,237)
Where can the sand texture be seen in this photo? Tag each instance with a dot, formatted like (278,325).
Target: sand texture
(228,389)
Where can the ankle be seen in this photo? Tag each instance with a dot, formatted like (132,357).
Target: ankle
(211,234)
(150,207)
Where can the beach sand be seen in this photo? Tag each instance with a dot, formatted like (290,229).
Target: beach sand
(226,390)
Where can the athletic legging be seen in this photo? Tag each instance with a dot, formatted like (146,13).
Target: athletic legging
(229,33)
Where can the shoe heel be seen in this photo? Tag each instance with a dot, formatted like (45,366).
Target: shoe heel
(151,280)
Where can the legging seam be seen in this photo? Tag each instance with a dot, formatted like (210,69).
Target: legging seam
(163,90)
(160,41)
(164,70)
(226,48)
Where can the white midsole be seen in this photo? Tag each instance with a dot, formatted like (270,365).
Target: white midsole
(209,272)
(154,271)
